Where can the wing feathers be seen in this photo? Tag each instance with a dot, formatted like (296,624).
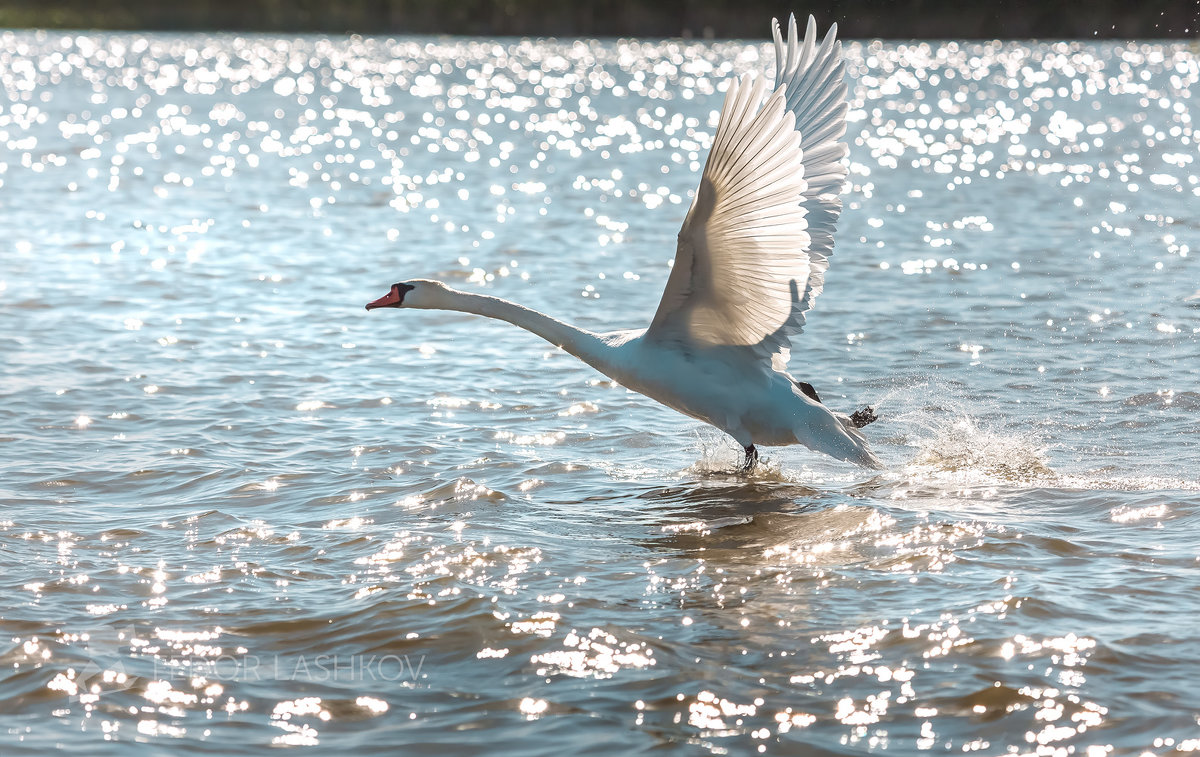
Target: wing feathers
(754,247)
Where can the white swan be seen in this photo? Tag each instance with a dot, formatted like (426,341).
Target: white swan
(751,257)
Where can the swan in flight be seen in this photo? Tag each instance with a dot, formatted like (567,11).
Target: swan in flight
(750,260)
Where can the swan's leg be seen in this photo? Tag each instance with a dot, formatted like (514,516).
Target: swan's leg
(751,460)
(863,417)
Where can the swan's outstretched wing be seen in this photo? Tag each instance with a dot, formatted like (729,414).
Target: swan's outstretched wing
(754,247)
(815,82)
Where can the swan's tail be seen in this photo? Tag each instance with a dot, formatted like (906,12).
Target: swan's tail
(838,435)
(860,449)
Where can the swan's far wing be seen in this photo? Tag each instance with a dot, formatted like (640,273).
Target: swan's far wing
(749,262)
(814,80)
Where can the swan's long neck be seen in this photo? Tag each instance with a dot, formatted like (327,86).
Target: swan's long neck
(583,344)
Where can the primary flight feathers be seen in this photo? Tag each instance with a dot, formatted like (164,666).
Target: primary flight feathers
(754,248)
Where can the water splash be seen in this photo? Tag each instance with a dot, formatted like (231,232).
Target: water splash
(959,443)
(720,456)
(963,446)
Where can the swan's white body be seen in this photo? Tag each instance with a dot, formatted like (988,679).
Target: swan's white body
(751,258)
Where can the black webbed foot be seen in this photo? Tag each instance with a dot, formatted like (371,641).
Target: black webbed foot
(751,460)
(863,417)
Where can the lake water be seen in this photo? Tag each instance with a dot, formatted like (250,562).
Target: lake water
(239,511)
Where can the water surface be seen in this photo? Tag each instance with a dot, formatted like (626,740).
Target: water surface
(241,512)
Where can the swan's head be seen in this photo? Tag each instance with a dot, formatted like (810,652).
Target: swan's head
(415,293)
